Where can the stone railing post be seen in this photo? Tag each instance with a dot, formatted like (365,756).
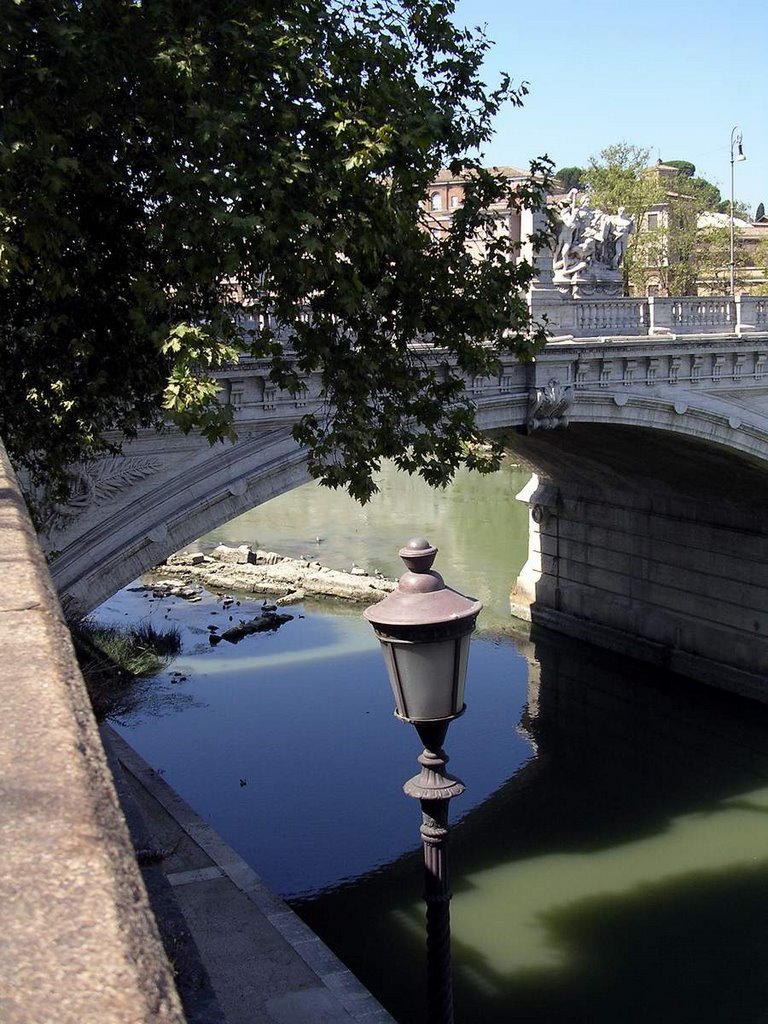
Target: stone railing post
(659,315)
(746,313)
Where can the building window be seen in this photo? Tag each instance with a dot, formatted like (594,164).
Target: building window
(454,202)
(435,201)
(653,221)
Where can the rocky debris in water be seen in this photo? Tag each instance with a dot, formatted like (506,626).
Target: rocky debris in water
(263,623)
(267,557)
(287,580)
(164,588)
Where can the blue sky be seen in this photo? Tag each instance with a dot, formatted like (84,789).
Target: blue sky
(673,78)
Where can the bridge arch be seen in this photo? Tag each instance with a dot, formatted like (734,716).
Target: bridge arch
(653,494)
(171,497)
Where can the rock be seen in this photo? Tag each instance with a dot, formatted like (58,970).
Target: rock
(261,624)
(237,556)
(267,557)
(187,558)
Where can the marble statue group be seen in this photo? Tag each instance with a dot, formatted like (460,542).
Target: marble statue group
(590,247)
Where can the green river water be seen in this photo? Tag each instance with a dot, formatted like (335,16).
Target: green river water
(609,858)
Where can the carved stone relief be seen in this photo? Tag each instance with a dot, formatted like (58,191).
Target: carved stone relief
(98,484)
(548,406)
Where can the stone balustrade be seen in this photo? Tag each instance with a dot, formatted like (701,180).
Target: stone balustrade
(630,316)
(650,316)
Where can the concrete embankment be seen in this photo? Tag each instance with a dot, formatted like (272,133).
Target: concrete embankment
(288,580)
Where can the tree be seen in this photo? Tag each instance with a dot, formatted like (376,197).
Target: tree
(760,260)
(686,168)
(707,194)
(169,168)
(676,254)
(760,212)
(571,177)
(669,253)
(741,209)
(714,256)
(618,177)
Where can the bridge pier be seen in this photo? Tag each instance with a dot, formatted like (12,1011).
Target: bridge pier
(658,551)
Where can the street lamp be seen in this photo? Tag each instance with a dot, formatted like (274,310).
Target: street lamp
(735,141)
(424,629)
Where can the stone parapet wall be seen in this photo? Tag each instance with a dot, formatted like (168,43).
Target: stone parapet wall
(79,944)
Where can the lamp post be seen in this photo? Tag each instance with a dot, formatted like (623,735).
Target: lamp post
(424,629)
(735,142)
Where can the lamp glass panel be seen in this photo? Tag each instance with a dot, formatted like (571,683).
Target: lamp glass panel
(427,673)
(461,670)
(392,671)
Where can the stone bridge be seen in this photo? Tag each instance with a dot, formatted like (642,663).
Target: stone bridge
(645,422)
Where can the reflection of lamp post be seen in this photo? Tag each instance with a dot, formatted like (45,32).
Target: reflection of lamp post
(424,628)
(735,141)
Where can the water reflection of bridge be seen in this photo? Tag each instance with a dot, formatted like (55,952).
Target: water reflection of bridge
(646,421)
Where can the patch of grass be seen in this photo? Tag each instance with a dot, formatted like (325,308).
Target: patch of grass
(116,662)
(165,643)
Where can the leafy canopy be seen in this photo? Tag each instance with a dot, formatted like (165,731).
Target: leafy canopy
(676,254)
(618,177)
(686,168)
(170,167)
(571,177)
